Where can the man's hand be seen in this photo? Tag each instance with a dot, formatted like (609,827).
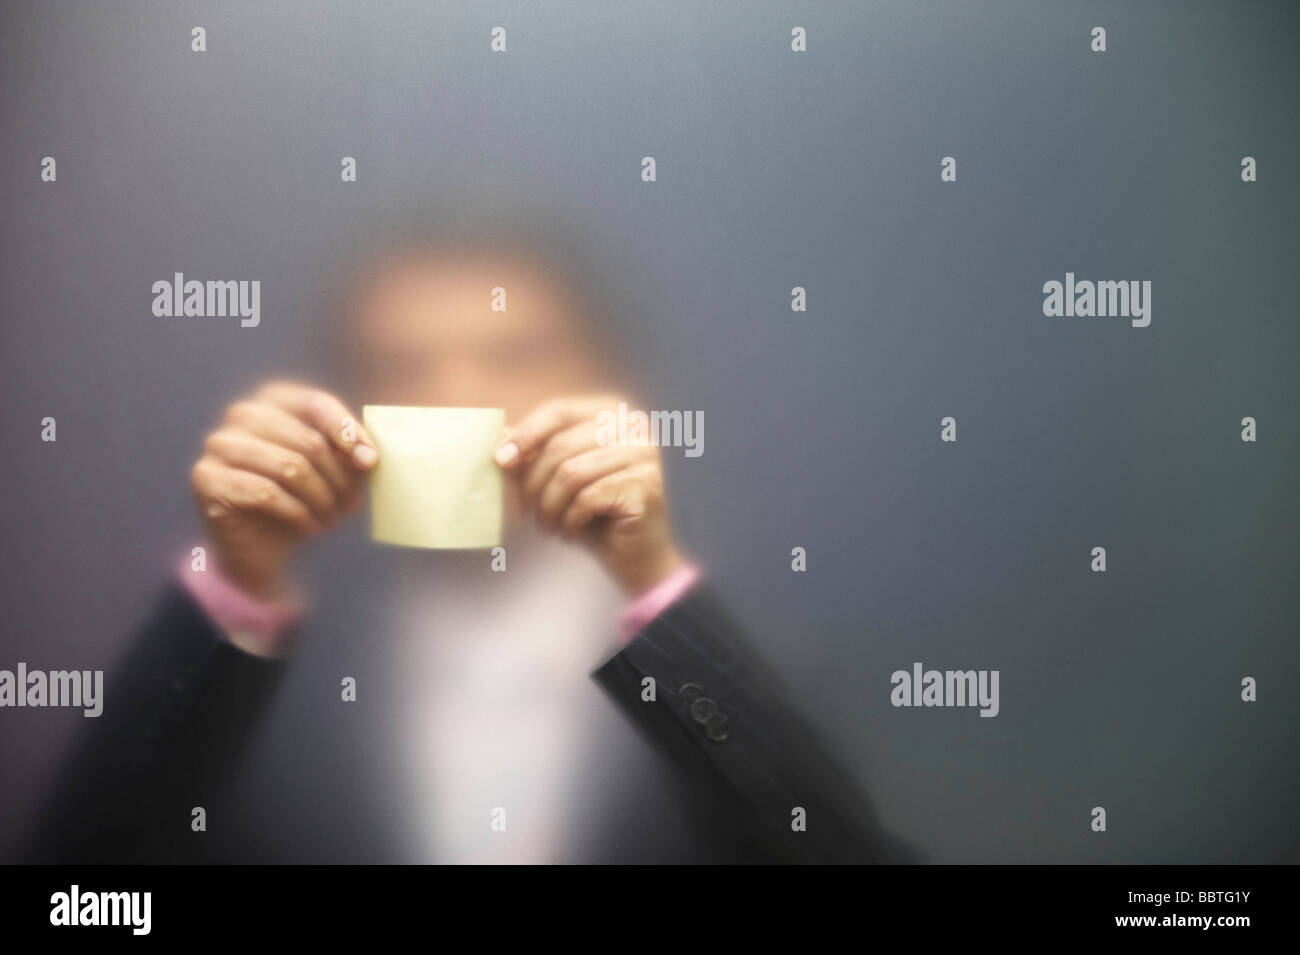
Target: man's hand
(610,497)
(284,465)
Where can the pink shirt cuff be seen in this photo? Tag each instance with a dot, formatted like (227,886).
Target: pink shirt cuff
(253,625)
(262,626)
(656,600)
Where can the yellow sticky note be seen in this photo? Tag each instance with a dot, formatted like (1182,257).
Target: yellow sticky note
(436,484)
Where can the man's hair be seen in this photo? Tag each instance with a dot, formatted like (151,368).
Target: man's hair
(503,227)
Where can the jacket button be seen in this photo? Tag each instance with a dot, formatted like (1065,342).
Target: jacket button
(690,691)
(702,709)
(716,728)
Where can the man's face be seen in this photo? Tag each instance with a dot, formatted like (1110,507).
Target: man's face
(427,334)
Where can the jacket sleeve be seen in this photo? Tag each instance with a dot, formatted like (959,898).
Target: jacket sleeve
(179,708)
(726,721)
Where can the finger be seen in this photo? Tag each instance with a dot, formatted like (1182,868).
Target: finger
(272,423)
(619,495)
(536,475)
(227,492)
(355,499)
(571,476)
(290,469)
(322,411)
(521,442)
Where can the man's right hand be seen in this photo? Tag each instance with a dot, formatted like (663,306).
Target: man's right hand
(284,465)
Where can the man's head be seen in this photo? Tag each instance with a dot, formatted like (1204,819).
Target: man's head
(467,327)
(489,310)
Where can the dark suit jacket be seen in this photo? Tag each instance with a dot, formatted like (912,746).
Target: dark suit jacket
(184,705)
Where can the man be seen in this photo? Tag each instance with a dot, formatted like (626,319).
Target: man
(474,732)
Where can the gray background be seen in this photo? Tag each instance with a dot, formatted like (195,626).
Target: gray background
(822,429)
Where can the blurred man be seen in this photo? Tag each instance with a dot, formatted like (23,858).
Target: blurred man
(478,734)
